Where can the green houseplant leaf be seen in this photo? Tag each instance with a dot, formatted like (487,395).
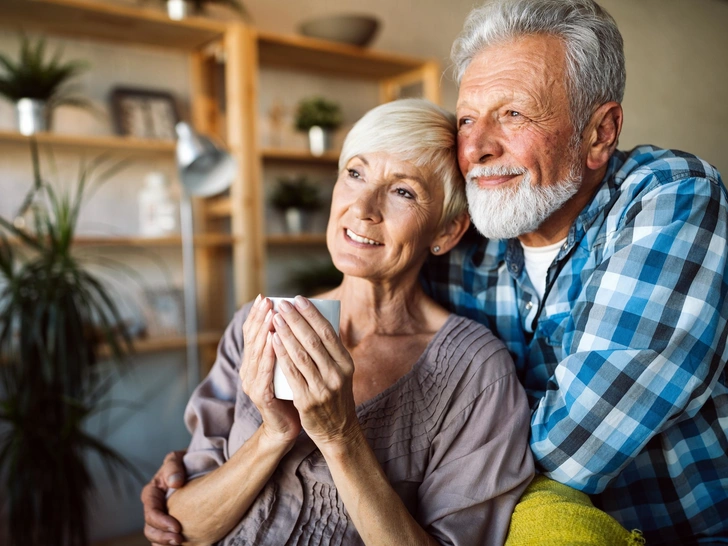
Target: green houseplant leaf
(33,77)
(54,317)
(295,193)
(318,111)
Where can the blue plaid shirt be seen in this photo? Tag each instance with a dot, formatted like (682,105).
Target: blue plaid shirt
(624,358)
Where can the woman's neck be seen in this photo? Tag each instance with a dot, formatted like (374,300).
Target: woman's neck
(379,308)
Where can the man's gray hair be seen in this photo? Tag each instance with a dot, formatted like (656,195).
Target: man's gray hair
(593,44)
(417,131)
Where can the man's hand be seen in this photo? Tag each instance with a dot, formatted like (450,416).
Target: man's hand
(160,528)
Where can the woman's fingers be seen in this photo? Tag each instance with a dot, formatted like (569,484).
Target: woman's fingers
(255,330)
(289,349)
(317,335)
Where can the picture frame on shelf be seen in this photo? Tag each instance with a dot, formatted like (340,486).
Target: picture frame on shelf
(144,113)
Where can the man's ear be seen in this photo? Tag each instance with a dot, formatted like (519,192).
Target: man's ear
(451,233)
(602,134)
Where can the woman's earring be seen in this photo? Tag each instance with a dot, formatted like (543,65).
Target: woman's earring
(435,249)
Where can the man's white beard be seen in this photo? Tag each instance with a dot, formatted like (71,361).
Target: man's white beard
(504,213)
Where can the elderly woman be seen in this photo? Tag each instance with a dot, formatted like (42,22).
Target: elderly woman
(409,428)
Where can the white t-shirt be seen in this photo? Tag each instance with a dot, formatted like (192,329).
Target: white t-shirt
(537,260)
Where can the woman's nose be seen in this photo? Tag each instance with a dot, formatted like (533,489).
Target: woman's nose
(367,205)
(479,143)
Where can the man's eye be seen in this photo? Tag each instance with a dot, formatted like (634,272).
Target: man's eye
(464,121)
(353,173)
(404,193)
(513,113)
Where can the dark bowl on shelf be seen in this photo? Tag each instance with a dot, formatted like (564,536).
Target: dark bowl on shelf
(358,30)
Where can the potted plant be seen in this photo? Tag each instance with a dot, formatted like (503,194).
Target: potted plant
(54,317)
(36,87)
(179,9)
(319,117)
(296,198)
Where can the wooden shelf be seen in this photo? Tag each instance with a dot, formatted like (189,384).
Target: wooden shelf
(100,143)
(219,207)
(160,344)
(313,55)
(299,156)
(155,345)
(104,21)
(211,239)
(207,240)
(283,239)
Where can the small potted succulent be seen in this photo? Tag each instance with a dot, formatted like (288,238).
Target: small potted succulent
(319,117)
(179,9)
(296,198)
(36,87)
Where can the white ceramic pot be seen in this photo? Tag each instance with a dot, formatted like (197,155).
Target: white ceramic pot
(319,140)
(32,116)
(297,221)
(179,9)
(294,221)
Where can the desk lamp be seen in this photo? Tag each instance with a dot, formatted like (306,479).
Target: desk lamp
(205,169)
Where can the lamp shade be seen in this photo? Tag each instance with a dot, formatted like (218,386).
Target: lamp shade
(205,169)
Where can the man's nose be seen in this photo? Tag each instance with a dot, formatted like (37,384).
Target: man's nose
(480,142)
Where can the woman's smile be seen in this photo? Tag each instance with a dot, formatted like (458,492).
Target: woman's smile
(360,240)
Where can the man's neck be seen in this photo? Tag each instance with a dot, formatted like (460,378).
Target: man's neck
(556,227)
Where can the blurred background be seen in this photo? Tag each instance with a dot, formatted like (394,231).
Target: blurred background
(256,84)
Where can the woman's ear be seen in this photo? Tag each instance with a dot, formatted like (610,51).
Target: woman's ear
(451,233)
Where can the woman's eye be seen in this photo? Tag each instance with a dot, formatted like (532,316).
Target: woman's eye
(353,173)
(513,113)
(404,193)
(464,121)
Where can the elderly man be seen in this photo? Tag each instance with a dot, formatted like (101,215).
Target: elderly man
(602,271)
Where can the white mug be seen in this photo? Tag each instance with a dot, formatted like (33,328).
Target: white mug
(330,309)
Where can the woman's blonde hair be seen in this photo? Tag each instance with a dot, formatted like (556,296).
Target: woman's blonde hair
(417,131)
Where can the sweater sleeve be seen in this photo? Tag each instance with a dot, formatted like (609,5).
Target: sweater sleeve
(210,412)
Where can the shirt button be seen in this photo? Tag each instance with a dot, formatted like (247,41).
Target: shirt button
(514,268)
(565,246)
(529,305)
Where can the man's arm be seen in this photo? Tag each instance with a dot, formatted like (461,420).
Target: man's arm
(649,341)
(159,527)
(209,414)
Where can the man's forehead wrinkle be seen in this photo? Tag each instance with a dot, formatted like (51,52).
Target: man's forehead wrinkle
(517,71)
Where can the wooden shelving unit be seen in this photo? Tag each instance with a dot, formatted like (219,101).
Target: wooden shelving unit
(110,22)
(100,143)
(197,38)
(234,221)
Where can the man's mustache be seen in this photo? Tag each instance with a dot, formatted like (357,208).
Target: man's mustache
(494,170)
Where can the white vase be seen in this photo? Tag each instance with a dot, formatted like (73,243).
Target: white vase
(294,221)
(32,116)
(319,140)
(179,9)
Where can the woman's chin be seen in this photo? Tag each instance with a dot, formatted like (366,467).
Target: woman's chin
(352,266)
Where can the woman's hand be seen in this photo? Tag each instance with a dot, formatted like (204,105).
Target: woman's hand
(319,370)
(281,422)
